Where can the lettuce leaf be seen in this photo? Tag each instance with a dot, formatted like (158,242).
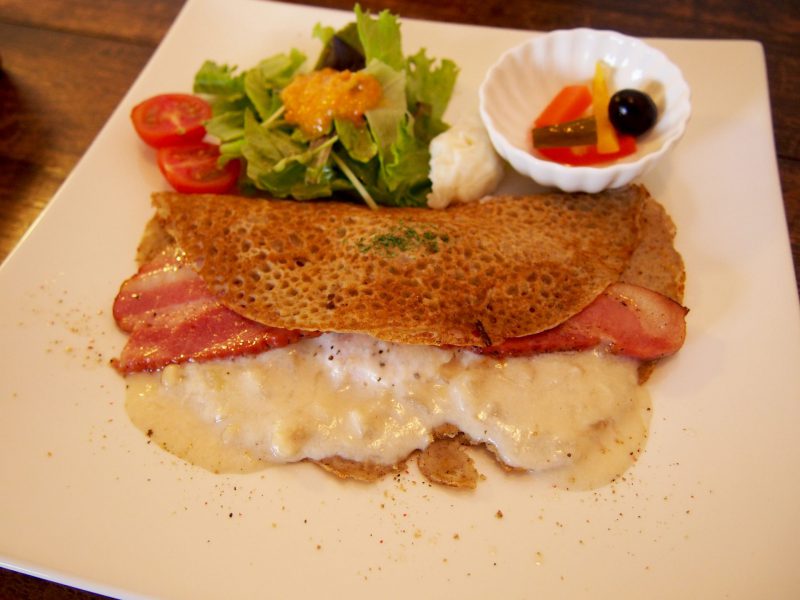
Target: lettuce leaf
(428,92)
(380,38)
(232,95)
(357,140)
(285,167)
(407,161)
(403,159)
(384,120)
(323,33)
(218,80)
(227,126)
(407,193)
(277,71)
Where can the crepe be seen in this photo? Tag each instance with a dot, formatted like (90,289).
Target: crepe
(466,276)
(470,275)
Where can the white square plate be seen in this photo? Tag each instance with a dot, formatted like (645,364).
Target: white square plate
(710,510)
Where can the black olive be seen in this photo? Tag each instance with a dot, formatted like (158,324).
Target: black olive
(632,112)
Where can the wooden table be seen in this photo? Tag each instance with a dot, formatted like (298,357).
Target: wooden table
(67,63)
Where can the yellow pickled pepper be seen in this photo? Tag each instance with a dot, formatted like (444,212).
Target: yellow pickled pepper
(607,141)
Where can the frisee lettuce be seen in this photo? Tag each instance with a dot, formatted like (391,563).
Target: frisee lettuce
(386,161)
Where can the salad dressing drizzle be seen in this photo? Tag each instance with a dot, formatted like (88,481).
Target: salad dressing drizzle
(315,99)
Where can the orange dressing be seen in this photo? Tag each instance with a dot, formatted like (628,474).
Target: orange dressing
(313,100)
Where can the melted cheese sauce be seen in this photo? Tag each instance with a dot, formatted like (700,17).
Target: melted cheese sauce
(579,417)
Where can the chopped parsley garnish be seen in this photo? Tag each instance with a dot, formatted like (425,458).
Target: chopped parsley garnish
(403,238)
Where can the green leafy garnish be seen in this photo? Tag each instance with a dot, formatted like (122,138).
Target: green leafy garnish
(383,161)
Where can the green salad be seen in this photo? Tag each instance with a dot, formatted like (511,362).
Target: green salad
(384,161)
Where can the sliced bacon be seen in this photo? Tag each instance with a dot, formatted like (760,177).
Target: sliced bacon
(629,320)
(172,317)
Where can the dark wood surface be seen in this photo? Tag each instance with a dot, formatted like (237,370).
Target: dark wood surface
(67,63)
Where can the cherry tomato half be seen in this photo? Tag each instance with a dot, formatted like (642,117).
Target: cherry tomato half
(171,119)
(193,169)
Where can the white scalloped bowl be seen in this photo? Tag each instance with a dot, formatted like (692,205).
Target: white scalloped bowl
(526,78)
